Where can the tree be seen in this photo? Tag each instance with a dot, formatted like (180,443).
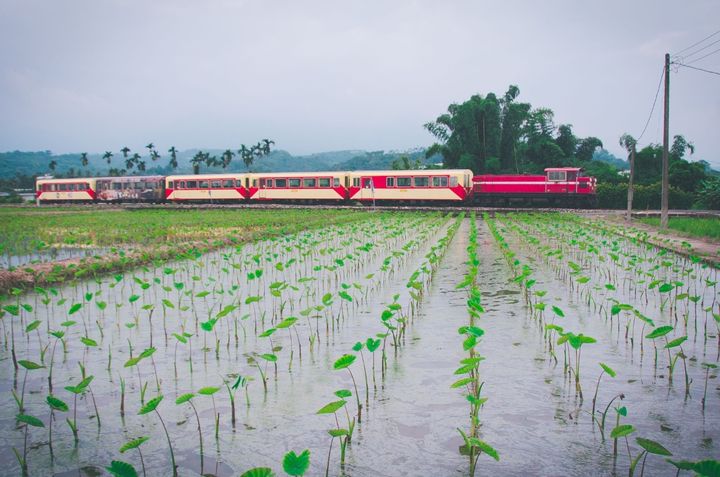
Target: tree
(629,143)
(84,159)
(514,116)
(586,148)
(197,159)
(125,150)
(173,158)
(226,158)
(108,156)
(566,140)
(52,165)
(250,154)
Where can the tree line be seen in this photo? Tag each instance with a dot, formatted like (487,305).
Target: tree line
(500,134)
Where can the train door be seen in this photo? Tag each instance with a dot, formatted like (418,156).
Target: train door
(572,182)
(367,188)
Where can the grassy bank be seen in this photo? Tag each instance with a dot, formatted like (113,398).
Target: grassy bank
(692,226)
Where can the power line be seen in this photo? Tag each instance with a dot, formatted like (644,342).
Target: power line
(696,68)
(686,57)
(704,56)
(696,44)
(652,110)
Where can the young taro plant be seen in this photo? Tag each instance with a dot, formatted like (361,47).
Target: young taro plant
(78,389)
(55,405)
(576,342)
(344,362)
(605,370)
(135,444)
(210,391)
(27,420)
(28,365)
(150,407)
(296,465)
(341,433)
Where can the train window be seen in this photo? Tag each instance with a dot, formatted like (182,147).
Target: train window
(294,183)
(254,183)
(583,185)
(367,183)
(268,183)
(309,182)
(139,185)
(324,182)
(228,183)
(421,181)
(356,182)
(439,181)
(63,187)
(336,182)
(556,175)
(191,184)
(453,181)
(281,183)
(215,184)
(203,184)
(81,187)
(170,184)
(390,182)
(403,182)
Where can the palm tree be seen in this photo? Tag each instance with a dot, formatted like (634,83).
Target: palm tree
(266,146)
(125,151)
(107,156)
(629,143)
(227,157)
(173,157)
(52,165)
(211,161)
(154,155)
(246,155)
(141,165)
(84,159)
(197,159)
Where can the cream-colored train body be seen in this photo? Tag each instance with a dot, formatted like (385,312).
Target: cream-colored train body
(66,190)
(300,186)
(451,185)
(206,187)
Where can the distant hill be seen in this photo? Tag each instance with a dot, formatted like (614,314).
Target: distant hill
(17,168)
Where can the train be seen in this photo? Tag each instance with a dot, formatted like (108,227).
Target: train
(559,186)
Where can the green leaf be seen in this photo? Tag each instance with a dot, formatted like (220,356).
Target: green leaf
(29,365)
(74,309)
(30,420)
(676,342)
(372,345)
(343,393)
(259,472)
(88,341)
(484,447)
(331,407)
(287,322)
(119,468)
(344,361)
(180,338)
(338,432)
(327,299)
(269,357)
(32,326)
(558,311)
(296,465)
(345,296)
(208,390)
(184,398)
(461,382)
(132,361)
(133,298)
(151,405)
(147,353)
(658,332)
(665,287)
(652,447)
(68,323)
(267,333)
(133,444)
(57,404)
(167,303)
(608,370)
(622,430)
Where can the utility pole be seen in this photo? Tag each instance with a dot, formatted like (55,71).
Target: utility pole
(666,143)
(628,215)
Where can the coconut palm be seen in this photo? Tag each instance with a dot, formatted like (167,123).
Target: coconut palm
(125,150)
(84,159)
(52,165)
(173,158)
(227,157)
(108,156)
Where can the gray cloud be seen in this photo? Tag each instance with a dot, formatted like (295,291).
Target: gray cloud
(323,75)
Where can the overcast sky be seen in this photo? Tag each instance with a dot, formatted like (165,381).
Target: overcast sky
(316,76)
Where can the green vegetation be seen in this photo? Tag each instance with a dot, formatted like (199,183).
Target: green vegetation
(694,226)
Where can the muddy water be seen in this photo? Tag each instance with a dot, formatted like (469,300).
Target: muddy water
(49,255)
(533,417)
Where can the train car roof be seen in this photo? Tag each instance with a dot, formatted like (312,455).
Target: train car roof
(412,172)
(568,169)
(224,175)
(298,174)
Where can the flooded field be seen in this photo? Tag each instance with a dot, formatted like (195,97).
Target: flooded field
(400,344)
